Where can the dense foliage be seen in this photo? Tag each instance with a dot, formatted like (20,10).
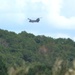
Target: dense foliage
(26,49)
(3,69)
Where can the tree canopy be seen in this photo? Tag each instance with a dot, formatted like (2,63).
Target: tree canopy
(26,47)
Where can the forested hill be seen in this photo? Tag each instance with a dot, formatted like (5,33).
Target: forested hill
(26,47)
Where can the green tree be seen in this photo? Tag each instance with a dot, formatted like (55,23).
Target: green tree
(3,69)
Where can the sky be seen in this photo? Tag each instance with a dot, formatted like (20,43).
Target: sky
(57,17)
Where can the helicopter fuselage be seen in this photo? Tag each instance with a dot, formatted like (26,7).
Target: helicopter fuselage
(32,21)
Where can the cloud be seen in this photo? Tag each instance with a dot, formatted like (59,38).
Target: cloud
(54,15)
(21,5)
(4,6)
(51,7)
(9,19)
(12,11)
(61,35)
(53,12)
(16,11)
(74,39)
(16,6)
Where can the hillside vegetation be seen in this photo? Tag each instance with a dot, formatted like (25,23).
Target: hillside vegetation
(27,54)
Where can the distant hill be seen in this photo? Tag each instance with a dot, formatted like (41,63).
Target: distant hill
(17,49)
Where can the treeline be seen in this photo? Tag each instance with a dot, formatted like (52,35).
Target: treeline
(24,48)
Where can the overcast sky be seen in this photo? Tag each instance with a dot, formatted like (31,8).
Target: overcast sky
(58,17)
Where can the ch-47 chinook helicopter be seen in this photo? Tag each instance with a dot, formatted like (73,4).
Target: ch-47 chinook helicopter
(33,21)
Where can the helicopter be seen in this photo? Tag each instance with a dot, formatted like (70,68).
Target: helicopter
(32,21)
